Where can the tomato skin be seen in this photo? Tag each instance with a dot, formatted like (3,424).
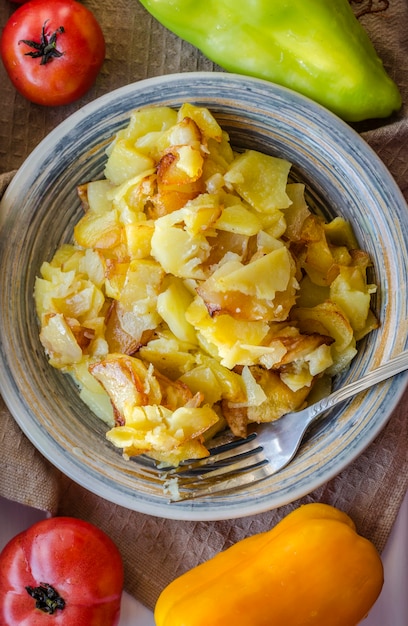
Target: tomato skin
(66,78)
(76,558)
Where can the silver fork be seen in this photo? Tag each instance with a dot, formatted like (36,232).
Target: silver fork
(243,462)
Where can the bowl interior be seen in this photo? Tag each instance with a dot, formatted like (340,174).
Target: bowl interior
(343,177)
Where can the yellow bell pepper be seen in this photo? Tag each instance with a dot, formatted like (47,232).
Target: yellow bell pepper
(312,568)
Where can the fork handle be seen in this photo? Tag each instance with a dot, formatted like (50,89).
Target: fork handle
(391,368)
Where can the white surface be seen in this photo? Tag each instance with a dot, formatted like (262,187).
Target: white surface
(391,608)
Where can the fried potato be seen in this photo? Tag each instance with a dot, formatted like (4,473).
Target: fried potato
(200,290)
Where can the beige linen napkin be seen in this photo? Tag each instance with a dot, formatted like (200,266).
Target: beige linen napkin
(155,550)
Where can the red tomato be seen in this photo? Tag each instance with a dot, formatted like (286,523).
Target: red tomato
(52,50)
(63,567)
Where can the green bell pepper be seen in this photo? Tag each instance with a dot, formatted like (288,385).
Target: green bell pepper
(315,47)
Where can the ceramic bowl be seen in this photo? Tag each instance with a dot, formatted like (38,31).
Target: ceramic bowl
(343,177)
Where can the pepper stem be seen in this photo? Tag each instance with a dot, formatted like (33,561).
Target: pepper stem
(46,48)
(47,599)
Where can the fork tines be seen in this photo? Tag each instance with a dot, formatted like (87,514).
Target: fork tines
(228,467)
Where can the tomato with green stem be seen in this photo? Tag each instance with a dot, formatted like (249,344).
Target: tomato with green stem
(60,571)
(52,50)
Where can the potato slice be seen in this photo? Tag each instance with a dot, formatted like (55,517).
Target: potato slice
(97,193)
(350,291)
(176,250)
(127,381)
(326,319)
(125,162)
(261,278)
(59,341)
(238,219)
(118,339)
(261,180)
(202,379)
(237,418)
(180,165)
(203,118)
(297,212)
(98,230)
(280,399)
(149,120)
(172,305)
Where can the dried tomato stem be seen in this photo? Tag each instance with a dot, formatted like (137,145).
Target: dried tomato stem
(46,49)
(47,598)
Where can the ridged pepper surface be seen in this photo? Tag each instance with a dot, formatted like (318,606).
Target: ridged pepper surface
(315,47)
(311,569)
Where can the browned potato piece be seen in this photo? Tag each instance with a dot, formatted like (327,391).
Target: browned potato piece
(280,399)
(119,340)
